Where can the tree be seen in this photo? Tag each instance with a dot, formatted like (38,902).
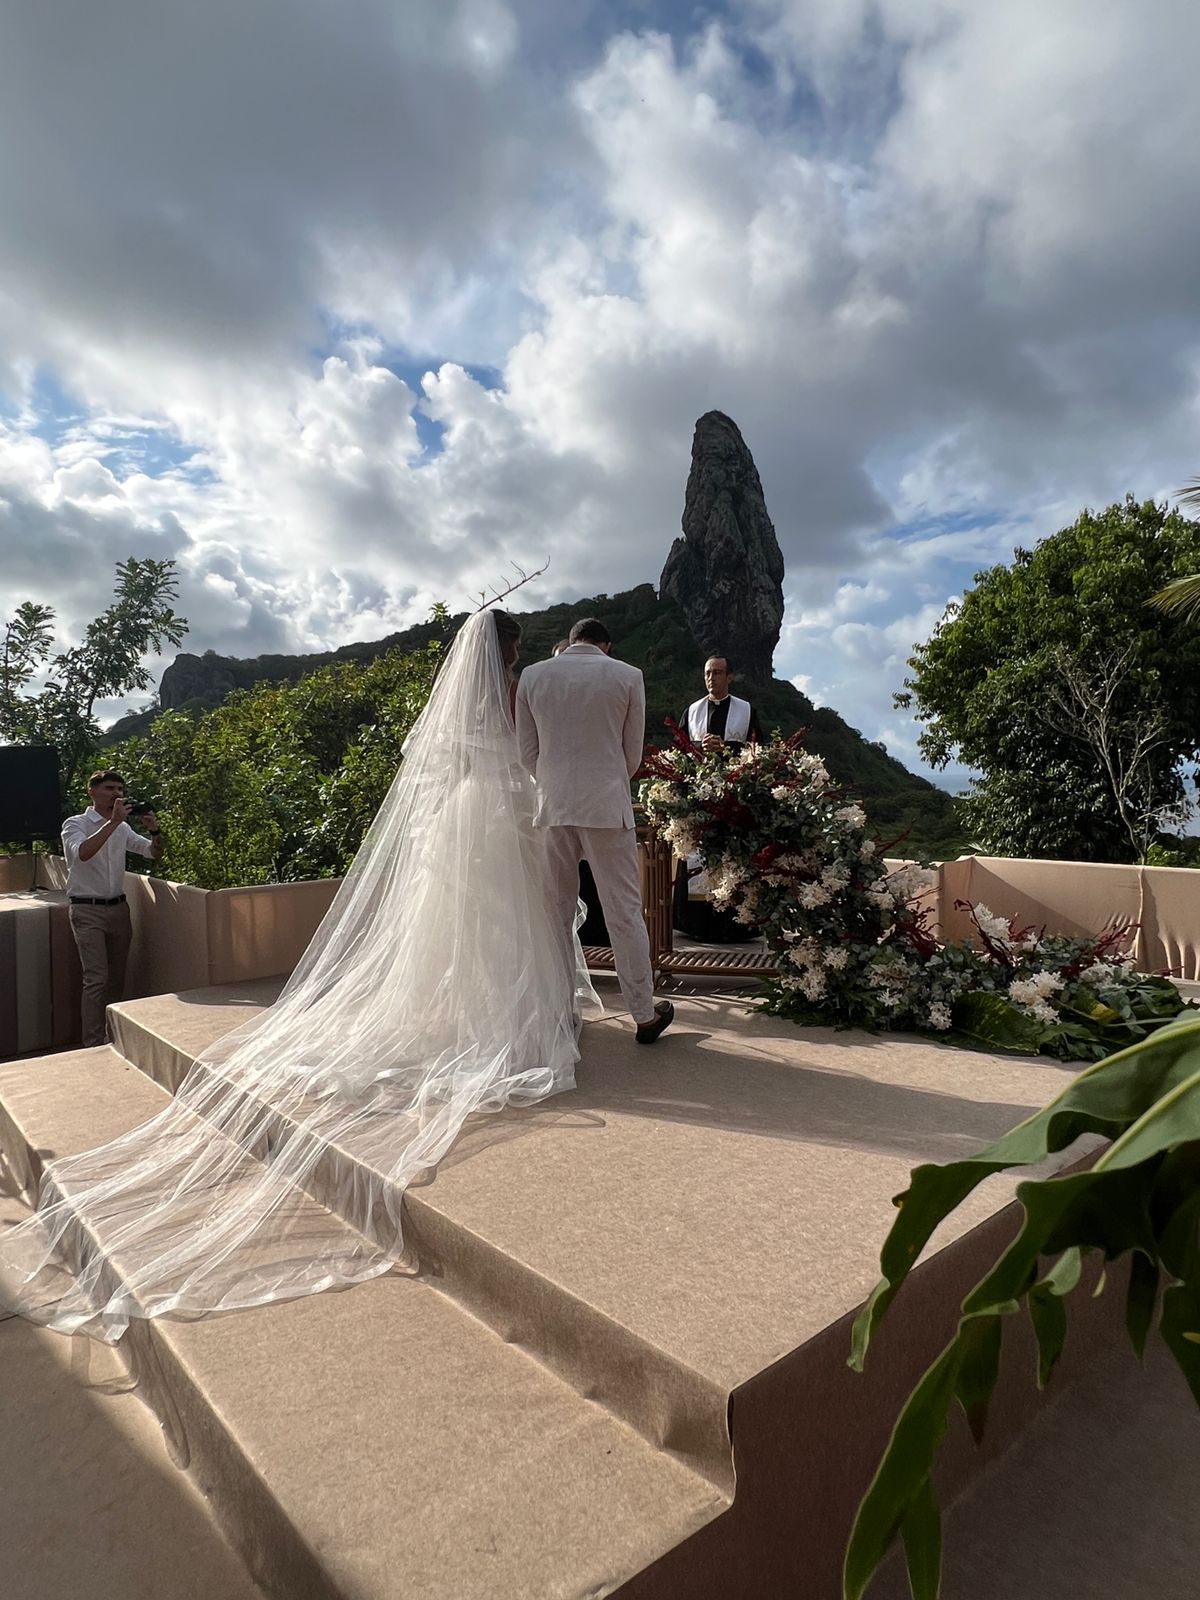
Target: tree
(1078,705)
(279,782)
(1089,706)
(108,661)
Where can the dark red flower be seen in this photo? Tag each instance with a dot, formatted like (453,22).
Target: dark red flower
(763,858)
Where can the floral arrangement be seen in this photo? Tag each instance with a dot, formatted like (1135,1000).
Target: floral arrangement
(790,853)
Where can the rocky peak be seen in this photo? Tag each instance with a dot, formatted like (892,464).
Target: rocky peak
(208,677)
(726,572)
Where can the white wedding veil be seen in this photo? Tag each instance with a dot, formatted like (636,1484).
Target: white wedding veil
(434,988)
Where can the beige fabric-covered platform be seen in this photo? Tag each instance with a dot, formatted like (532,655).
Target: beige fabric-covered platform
(1083,898)
(622,1368)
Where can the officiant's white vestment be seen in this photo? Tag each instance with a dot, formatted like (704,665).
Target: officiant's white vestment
(581,725)
(737,725)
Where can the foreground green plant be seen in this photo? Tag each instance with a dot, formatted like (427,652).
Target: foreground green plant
(1141,1198)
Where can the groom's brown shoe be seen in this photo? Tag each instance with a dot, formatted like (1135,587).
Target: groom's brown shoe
(664,1016)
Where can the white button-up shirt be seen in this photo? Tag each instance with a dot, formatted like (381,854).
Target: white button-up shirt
(103,876)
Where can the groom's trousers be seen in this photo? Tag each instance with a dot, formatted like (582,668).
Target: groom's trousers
(612,854)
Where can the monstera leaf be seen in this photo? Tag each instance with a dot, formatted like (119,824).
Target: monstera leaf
(1141,1197)
(989,1021)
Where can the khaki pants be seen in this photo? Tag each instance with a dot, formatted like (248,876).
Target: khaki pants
(102,935)
(612,854)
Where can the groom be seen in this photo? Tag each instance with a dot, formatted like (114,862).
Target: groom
(581,722)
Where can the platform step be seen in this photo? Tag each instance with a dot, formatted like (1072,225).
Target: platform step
(672,1404)
(684,1238)
(379,1443)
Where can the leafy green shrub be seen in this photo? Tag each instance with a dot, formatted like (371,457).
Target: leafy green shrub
(280,781)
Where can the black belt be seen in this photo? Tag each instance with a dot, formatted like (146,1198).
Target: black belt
(95,900)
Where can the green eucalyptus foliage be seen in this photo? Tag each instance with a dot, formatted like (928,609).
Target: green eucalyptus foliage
(1141,1199)
(985,684)
(280,781)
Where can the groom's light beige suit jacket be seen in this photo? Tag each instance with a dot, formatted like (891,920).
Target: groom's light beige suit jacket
(581,725)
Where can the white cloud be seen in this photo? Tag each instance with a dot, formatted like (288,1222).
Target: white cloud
(937,262)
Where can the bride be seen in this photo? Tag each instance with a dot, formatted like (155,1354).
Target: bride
(434,988)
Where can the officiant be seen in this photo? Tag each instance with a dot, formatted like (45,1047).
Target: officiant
(719,721)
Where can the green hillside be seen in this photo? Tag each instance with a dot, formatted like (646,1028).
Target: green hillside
(654,636)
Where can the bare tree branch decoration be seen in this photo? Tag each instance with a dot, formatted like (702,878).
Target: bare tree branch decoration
(519,582)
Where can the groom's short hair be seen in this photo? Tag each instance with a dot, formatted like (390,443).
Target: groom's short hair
(589,630)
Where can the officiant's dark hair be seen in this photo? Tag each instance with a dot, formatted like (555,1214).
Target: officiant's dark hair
(589,630)
(508,635)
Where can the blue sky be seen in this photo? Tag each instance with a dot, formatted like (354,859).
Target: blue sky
(391,299)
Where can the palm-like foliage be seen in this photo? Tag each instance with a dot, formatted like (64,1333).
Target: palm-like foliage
(1182,598)
(1141,1198)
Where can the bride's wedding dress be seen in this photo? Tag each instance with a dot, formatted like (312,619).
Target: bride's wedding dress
(434,988)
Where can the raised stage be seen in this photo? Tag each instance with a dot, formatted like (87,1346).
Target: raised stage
(621,1369)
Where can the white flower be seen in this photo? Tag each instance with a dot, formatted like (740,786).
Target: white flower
(888,975)
(746,912)
(813,984)
(678,836)
(909,883)
(854,815)
(1032,995)
(835,875)
(938,1016)
(806,953)
(995,928)
(1029,991)
(779,792)
(813,895)
(836,958)
(867,849)
(724,878)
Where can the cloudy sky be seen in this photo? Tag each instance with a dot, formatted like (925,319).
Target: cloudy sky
(347,307)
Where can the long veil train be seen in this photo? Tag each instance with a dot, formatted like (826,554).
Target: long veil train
(434,988)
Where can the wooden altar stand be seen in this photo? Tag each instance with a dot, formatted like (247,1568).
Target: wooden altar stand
(658,882)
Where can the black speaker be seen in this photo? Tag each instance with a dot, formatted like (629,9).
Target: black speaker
(29,803)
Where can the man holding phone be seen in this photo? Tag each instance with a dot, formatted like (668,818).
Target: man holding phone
(95,844)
